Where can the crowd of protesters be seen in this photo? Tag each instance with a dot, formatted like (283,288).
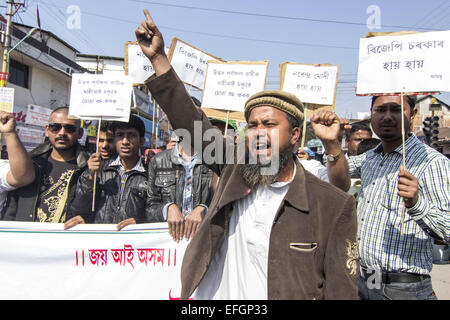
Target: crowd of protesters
(312,229)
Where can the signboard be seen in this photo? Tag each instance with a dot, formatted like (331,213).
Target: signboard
(136,64)
(313,84)
(6,99)
(30,137)
(406,63)
(228,85)
(96,95)
(37,115)
(189,62)
(92,261)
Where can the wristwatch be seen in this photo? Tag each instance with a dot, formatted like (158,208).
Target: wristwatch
(334,158)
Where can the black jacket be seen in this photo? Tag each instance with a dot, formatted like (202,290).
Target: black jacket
(21,203)
(114,203)
(166,183)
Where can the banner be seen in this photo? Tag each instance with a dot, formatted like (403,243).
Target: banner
(228,85)
(314,84)
(101,95)
(415,62)
(189,62)
(93,261)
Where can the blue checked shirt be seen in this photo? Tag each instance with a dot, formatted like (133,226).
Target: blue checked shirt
(380,207)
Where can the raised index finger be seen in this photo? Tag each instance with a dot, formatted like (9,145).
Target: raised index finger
(148,17)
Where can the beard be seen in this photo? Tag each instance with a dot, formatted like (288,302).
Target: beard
(262,174)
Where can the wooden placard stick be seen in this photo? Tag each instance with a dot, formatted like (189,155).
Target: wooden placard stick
(404,158)
(95,174)
(304,124)
(226,124)
(153,121)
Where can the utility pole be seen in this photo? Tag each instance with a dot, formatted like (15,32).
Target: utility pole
(10,14)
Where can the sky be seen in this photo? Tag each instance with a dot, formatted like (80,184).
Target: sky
(310,32)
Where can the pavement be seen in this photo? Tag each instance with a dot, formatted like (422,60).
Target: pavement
(440,279)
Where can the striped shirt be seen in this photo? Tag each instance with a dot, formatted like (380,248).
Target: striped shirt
(123,173)
(380,207)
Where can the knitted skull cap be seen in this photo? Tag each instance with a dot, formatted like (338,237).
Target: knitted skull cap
(282,100)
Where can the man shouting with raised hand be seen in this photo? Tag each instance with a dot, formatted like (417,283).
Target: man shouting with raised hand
(273,230)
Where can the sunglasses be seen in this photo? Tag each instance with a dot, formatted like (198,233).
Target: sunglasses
(56,127)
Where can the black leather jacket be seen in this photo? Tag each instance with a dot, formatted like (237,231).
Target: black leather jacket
(116,200)
(166,183)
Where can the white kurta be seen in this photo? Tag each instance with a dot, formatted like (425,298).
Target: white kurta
(239,269)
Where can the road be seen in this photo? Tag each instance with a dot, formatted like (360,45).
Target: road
(440,277)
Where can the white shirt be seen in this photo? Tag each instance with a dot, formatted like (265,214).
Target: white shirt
(238,271)
(316,168)
(4,185)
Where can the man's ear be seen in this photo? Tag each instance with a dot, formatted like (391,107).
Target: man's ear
(80,133)
(411,122)
(142,141)
(296,135)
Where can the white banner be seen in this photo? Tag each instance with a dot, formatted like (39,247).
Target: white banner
(407,63)
(189,62)
(43,261)
(96,95)
(229,84)
(311,84)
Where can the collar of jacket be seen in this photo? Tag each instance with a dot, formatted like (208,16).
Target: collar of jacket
(115,164)
(45,149)
(297,197)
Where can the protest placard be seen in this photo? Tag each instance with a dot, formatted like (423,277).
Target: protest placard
(312,84)
(136,64)
(189,62)
(95,96)
(37,115)
(408,63)
(228,85)
(315,86)
(6,99)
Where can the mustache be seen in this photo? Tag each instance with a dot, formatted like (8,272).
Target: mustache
(62,138)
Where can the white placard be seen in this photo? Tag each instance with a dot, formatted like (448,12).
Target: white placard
(311,84)
(229,84)
(37,115)
(97,95)
(91,261)
(407,63)
(138,66)
(189,63)
(6,99)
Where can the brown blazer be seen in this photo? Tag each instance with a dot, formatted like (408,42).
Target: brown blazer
(312,250)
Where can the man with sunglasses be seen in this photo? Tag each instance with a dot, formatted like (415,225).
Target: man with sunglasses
(58,163)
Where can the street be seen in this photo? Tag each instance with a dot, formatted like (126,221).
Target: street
(440,277)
